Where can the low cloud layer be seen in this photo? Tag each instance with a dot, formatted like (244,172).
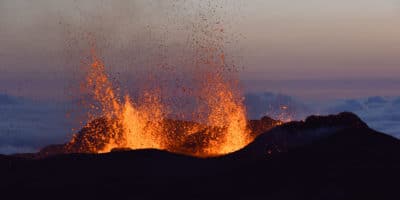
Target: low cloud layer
(380,113)
(26,125)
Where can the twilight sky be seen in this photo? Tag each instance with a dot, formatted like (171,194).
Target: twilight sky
(335,48)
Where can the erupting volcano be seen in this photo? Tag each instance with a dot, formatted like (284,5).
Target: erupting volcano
(197,99)
(121,123)
(217,124)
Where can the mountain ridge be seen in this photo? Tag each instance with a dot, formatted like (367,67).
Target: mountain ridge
(349,162)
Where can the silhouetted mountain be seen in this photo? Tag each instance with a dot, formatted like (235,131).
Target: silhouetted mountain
(294,134)
(331,157)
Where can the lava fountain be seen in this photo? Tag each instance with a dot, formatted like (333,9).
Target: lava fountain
(121,123)
(226,111)
(124,123)
(219,124)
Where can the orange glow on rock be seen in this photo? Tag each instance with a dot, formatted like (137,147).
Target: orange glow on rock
(127,124)
(218,123)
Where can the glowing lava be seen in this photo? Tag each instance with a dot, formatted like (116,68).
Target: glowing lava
(128,124)
(116,123)
(226,111)
(219,125)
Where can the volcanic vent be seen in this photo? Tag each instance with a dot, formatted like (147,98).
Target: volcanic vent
(216,126)
(117,122)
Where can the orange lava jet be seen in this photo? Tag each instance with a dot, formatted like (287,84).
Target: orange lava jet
(129,124)
(219,125)
(126,124)
(226,110)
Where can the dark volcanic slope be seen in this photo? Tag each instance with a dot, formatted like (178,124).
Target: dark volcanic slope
(296,134)
(333,157)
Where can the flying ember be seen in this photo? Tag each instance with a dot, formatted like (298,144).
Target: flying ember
(120,123)
(218,123)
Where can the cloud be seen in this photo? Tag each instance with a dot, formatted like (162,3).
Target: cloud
(379,112)
(350,105)
(8,100)
(8,149)
(278,106)
(26,125)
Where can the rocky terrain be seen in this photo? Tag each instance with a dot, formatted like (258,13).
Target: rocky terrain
(323,157)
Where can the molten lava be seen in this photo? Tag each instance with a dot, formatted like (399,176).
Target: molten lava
(228,112)
(218,124)
(116,123)
(128,124)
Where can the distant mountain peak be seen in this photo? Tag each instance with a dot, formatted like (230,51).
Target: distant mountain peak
(344,119)
(300,133)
